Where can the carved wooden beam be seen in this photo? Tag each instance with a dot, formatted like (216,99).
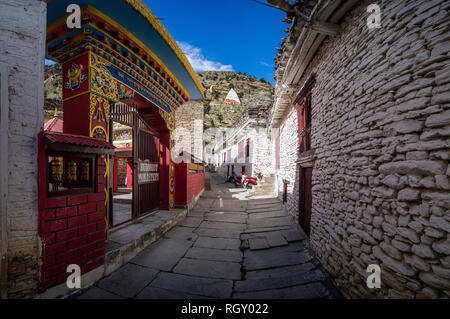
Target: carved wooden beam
(325,28)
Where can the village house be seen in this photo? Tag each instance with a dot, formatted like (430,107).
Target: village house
(245,148)
(361,126)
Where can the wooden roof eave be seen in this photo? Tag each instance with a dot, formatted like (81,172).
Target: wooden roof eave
(304,51)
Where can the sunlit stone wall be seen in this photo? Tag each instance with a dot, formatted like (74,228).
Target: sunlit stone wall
(22,38)
(380,128)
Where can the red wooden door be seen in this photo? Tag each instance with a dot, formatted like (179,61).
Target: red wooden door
(305,199)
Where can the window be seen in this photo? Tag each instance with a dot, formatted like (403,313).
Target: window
(241,149)
(304,124)
(303,105)
(229,155)
(70,173)
(247,148)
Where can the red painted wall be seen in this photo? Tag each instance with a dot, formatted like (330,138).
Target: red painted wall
(188,185)
(115,174)
(130,173)
(164,166)
(71,228)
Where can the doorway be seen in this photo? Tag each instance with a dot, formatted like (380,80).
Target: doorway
(135,165)
(305,202)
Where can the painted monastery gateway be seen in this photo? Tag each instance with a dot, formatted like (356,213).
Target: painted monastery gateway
(354,148)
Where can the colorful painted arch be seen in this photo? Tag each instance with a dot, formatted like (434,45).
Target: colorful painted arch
(129,28)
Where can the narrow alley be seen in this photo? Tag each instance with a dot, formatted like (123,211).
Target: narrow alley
(227,247)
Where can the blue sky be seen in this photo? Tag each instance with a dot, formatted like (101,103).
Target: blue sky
(230,35)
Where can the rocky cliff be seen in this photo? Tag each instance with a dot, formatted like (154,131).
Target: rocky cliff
(253,93)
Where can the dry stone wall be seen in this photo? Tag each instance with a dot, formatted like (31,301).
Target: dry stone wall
(380,128)
(289,145)
(189,119)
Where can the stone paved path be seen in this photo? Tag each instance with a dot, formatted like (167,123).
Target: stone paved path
(229,246)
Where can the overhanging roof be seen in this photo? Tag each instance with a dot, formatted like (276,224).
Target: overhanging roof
(138,20)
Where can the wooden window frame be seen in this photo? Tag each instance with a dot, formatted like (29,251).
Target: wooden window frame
(74,191)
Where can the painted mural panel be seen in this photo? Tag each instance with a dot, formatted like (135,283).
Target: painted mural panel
(75,77)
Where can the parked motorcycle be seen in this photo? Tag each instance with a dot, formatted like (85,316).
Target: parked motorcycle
(244,181)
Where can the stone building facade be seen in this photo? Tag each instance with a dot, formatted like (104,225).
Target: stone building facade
(379,138)
(188,135)
(245,147)
(23,25)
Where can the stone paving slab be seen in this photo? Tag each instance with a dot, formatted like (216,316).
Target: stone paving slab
(293,235)
(216,288)
(280,271)
(197,213)
(263,209)
(162,255)
(159,293)
(269,222)
(259,215)
(266,229)
(225,214)
(254,261)
(191,222)
(309,291)
(228,218)
(257,243)
(222,225)
(204,203)
(218,243)
(128,281)
(275,239)
(218,233)
(182,233)
(279,282)
(97,293)
(215,254)
(258,202)
(232,205)
(208,268)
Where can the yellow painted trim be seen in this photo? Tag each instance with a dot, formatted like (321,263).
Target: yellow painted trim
(78,95)
(138,42)
(142,9)
(82,36)
(169,96)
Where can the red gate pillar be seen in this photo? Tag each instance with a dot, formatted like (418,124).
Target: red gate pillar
(129,173)
(116,174)
(85,113)
(164,166)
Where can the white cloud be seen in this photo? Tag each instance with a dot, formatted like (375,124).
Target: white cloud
(199,62)
(266,64)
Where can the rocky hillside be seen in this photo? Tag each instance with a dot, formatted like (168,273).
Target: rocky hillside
(53,90)
(252,92)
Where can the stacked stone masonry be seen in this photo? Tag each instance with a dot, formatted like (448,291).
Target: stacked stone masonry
(381,134)
(188,134)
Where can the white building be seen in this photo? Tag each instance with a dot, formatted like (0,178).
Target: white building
(245,147)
